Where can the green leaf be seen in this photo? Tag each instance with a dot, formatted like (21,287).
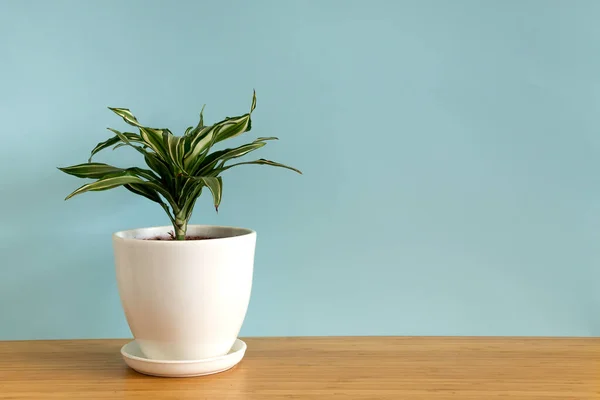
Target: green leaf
(194,131)
(128,139)
(100,170)
(124,178)
(232,127)
(197,145)
(174,146)
(253,106)
(126,115)
(114,140)
(144,173)
(103,145)
(216,188)
(108,182)
(205,138)
(202,143)
(120,145)
(190,191)
(212,159)
(151,194)
(145,191)
(262,139)
(91,170)
(158,166)
(201,122)
(262,161)
(153,138)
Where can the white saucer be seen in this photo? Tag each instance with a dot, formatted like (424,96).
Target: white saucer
(134,357)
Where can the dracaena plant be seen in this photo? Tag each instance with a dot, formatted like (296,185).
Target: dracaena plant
(179,167)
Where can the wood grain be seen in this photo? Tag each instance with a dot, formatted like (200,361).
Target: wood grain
(319,368)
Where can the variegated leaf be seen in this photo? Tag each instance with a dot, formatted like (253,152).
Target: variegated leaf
(126,115)
(233,127)
(174,146)
(126,139)
(210,162)
(153,138)
(191,190)
(225,129)
(144,191)
(216,188)
(120,145)
(124,178)
(205,138)
(261,161)
(107,183)
(100,170)
(151,194)
(144,173)
(193,131)
(91,170)
(132,137)
(159,166)
(197,145)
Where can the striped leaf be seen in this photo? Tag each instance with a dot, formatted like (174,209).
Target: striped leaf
(129,140)
(158,166)
(132,137)
(174,146)
(193,131)
(253,106)
(108,182)
(103,145)
(211,161)
(153,138)
(200,145)
(91,170)
(144,191)
(127,177)
(264,139)
(120,145)
(215,185)
(204,138)
(144,173)
(197,145)
(191,190)
(126,115)
(151,194)
(262,161)
(233,127)
(216,188)
(100,170)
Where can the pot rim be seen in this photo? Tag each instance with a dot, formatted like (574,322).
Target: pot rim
(125,235)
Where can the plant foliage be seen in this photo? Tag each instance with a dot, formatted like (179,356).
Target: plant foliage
(179,167)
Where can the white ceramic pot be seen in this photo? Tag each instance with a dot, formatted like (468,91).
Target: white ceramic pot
(185,300)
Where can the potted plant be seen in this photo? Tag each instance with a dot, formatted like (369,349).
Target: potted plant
(185,293)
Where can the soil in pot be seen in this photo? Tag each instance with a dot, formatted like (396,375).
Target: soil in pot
(186,238)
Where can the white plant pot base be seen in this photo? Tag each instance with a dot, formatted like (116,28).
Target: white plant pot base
(135,359)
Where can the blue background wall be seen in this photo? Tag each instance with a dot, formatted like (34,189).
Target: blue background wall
(451,153)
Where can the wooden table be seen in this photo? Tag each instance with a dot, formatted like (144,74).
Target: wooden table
(319,368)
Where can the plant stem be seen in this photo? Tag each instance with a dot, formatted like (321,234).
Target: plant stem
(180,226)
